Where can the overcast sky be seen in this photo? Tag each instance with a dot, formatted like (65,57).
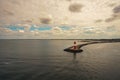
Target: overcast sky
(59,19)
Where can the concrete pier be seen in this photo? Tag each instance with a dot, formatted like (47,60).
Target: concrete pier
(72,50)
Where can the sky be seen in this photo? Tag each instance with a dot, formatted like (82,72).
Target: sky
(59,19)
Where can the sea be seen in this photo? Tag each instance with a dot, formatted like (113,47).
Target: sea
(47,60)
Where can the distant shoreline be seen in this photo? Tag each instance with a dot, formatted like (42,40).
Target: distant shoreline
(83,40)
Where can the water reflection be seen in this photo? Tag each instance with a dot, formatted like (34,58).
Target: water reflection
(74,56)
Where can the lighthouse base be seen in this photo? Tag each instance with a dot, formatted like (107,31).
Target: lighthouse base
(73,50)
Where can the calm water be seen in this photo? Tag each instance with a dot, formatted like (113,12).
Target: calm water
(46,60)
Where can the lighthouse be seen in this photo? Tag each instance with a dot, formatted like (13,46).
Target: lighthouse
(74,49)
(75,46)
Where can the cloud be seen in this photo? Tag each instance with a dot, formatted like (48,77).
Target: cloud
(7,12)
(57,32)
(15,2)
(90,30)
(114,17)
(112,4)
(110,19)
(82,13)
(116,9)
(111,29)
(75,7)
(98,21)
(45,20)
(69,0)
(17,10)
(21,31)
(27,21)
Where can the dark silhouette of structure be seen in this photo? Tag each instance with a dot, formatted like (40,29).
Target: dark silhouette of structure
(74,49)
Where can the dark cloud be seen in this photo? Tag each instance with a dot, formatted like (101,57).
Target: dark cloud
(116,9)
(113,18)
(112,4)
(69,0)
(7,12)
(116,14)
(45,20)
(98,21)
(75,7)
(110,19)
(27,21)
(15,2)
